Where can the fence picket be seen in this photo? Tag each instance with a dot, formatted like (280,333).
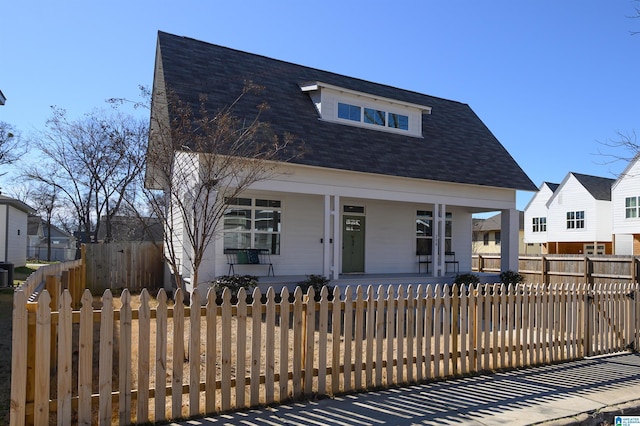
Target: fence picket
(359,326)
(194,354)
(464,328)
(410,331)
(336,314)
(160,399)
(211,355)
(241,346)
(270,366)
(256,347)
(446,329)
(85,359)
(400,315)
(226,333)
(65,345)
(178,354)
(370,324)
(43,360)
(380,327)
(429,309)
(19,359)
(297,343)
(105,383)
(309,339)
(348,327)
(144,343)
(322,343)
(283,380)
(390,331)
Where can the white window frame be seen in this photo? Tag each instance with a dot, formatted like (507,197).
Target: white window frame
(253,230)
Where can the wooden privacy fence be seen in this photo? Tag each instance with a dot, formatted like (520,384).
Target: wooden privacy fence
(115,266)
(566,268)
(149,360)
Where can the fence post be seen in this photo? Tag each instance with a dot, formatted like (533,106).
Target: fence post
(52,285)
(587,273)
(83,264)
(544,270)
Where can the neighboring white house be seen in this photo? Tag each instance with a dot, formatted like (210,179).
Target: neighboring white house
(388,171)
(13,231)
(535,216)
(625,203)
(578,216)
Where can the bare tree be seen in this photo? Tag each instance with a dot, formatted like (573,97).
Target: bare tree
(44,198)
(197,163)
(92,163)
(11,145)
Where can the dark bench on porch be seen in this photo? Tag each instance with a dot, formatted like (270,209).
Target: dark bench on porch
(450,259)
(249,257)
(423,259)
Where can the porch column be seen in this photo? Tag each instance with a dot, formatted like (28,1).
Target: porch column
(337,244)
(509,240)
(327,238)
(439,214)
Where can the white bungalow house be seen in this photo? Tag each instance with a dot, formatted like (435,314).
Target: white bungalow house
(578,216)
(535,216)
(625,205)
(13,231)
(386,174)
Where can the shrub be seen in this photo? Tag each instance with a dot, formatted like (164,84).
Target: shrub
(511,277)
(317,282)
(466,279)
(234,283)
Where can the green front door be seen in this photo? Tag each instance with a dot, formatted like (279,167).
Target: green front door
(352,244)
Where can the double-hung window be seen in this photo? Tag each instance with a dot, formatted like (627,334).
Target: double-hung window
(575,220)
(424,232)
(631,205)
(253,223)
(539,224)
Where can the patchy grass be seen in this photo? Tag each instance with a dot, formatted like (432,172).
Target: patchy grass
(6,311)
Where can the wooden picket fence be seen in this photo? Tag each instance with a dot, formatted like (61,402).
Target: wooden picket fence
(155,359)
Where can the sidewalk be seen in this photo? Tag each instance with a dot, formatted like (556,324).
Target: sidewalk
(568,393)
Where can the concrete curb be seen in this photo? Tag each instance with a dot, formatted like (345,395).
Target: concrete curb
(603,416)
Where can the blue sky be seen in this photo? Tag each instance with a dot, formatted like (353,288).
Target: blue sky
(551,79)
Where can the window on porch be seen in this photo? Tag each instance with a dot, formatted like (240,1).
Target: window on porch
(253,223)
(424,232)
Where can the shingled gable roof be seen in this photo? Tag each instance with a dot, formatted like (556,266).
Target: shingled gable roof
(552,186)
(598,187)
(456,145)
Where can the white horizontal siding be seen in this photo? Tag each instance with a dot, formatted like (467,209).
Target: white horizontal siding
(3,232)
(627,186)
(536,208)
(572,196)
(16,236)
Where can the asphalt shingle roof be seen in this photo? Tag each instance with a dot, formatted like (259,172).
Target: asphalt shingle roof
(597,186)
(456,145)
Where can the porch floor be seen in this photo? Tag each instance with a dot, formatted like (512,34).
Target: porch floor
(375,280)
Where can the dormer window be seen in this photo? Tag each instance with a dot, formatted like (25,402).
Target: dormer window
(373,116)
(346,106)
(349,112)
